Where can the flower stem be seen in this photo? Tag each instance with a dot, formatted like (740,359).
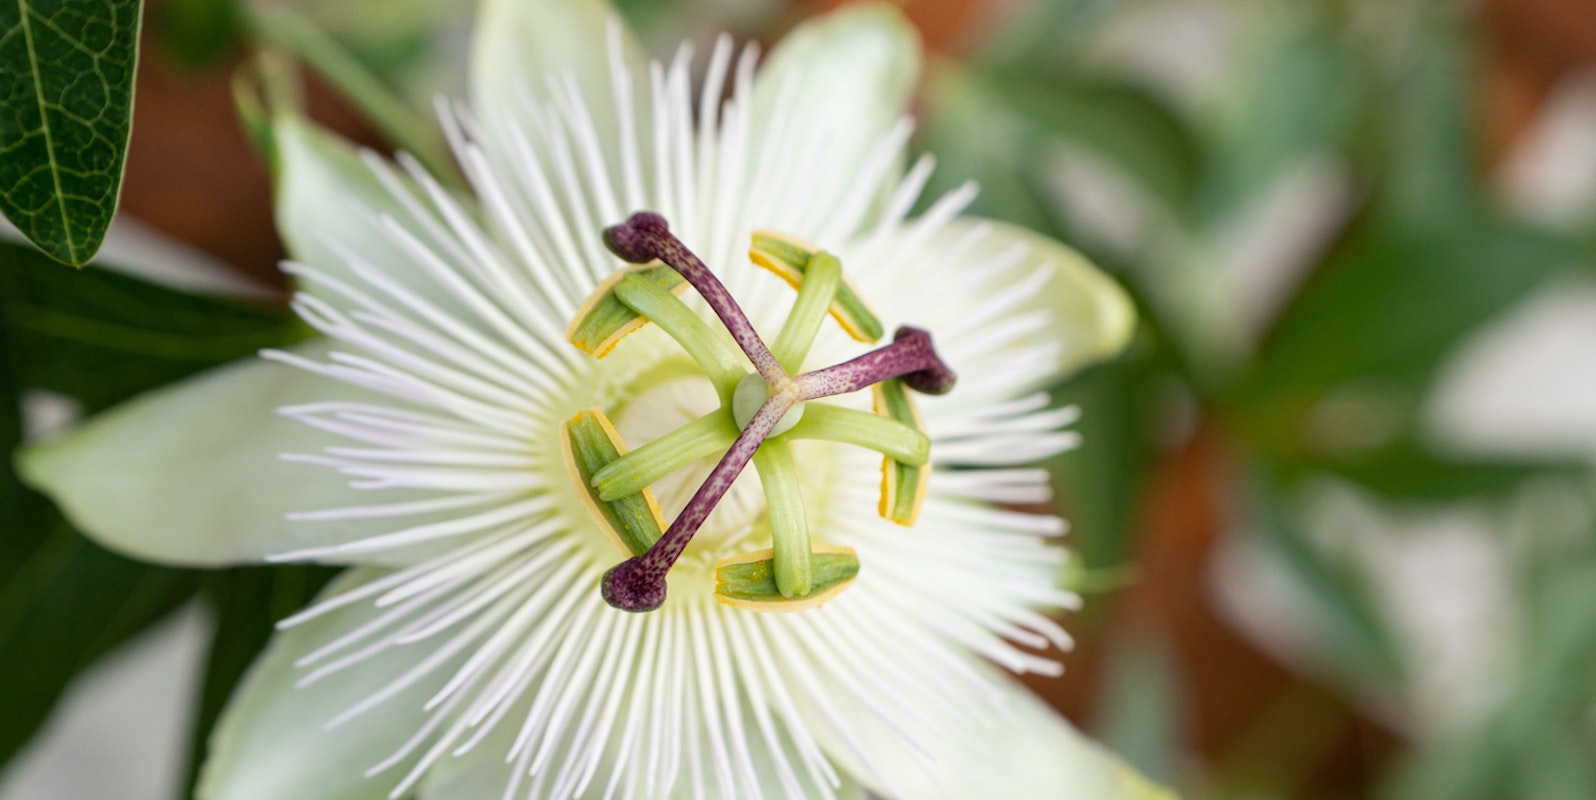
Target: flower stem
(632,472)
(821,279)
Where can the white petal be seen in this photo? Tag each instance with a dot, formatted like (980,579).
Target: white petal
(270,743)
(1006,275)
(826,95)
(1028,751)
(191,474)
(521,43)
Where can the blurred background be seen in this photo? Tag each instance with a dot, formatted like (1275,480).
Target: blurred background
(1334,510)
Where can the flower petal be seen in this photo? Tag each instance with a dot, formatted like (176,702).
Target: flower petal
(270,742)
(520,43)
(327,197)
(1029,751)
(1007,273)
(191,474)
(824,98)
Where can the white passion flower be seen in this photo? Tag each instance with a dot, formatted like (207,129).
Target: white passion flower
(558,567)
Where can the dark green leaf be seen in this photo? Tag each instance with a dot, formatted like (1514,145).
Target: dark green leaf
(66,109)
(23,513)
(247,603)
(71,602)
(101,337)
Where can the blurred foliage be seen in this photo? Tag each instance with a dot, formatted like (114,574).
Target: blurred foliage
(1336,380)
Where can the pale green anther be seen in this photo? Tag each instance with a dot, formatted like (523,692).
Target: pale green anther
(792,561)
(822,278)
(715,355)
(790,261)
(633,520)
(889,437)
(703,437)
(751,393)
(604,320)
(903,485)
(751,582)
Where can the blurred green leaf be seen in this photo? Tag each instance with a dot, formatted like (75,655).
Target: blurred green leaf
(23,513)
(197,33)
(1384,309)
(66,110)
(1101,482)
(1406,470)
(247,603)
(70,603)
(100,336)
(1139,714)
(1119,122)
(1354,632)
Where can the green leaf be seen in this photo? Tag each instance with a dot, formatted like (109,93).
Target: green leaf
(66,110)
(1379,316)
(100,336)
(24,515)
(71,603)
(198,33)
(1406,470)
(247,603)
(1363,647)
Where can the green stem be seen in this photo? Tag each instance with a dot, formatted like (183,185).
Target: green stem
(822,277)
(714,355)
(792,560)
(631,473)
(888,437)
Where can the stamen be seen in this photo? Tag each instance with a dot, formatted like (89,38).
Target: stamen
(645,237)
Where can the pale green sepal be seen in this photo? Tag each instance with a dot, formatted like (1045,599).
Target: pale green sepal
(1027,750)
(270,744)
(519,44)
(852,74)
(190,474)
(329,203)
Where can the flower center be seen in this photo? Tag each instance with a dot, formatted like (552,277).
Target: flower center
(759,413)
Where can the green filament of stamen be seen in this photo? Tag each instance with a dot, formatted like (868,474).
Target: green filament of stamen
(789,534)
(822,277)
(715,356)
(889,437)
(630,473)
